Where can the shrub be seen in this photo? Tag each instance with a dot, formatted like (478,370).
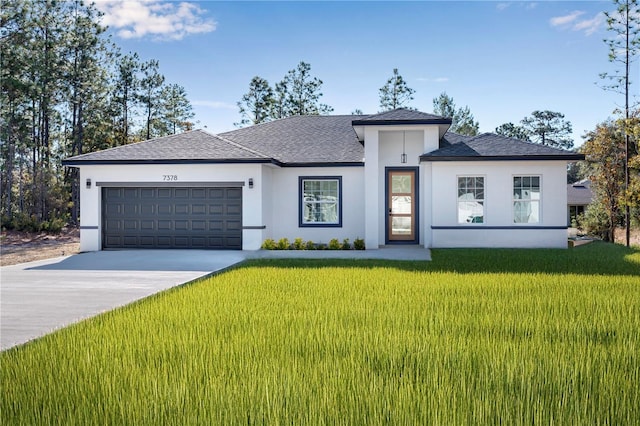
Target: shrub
(268,244)
(358,244)
(346,245)
(334,244)
(310,245)
(283,244)
(595,221)
(298,244)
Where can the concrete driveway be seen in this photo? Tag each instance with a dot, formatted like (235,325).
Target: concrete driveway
(39,297)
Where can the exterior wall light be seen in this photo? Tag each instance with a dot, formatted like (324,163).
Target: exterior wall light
(250,182)
(403,156)
(88,183)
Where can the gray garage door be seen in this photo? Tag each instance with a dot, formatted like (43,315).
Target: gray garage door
(204,218)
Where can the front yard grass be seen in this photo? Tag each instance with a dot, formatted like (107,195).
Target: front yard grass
(473,337)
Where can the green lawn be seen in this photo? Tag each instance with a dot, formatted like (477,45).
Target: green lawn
(473,337)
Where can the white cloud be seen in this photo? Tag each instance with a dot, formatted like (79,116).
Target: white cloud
(574,22)
(558,21)
(433,80)
(590,26)
(159,19)
(214,104)
(531,6)
(502,6)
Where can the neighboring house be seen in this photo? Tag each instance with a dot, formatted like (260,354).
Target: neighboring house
(392,178)
(579,196)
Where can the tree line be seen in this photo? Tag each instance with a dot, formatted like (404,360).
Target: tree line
(66,89)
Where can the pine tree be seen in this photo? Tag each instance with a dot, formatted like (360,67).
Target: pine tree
(624,46)
(462,120)
(303,93)
(548,128)
(395,93)
(176,110)
(256,105)
(512,131)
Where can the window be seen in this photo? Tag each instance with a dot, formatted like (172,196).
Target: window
(321,201)
(526,199)
(470,199)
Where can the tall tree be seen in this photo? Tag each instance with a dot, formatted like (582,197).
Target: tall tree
(605,154)
(624,46)
(125,96)
(512,131)
(150,90)
(257,104)
(87,86)
(462,120)
(548,128)
(176,109)
(395,93)
(303,92)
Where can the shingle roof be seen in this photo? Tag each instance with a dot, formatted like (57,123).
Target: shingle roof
(489,146)
(450,138)
(310,140)
(401,116)
(193,146)
(579,193)
(303,139)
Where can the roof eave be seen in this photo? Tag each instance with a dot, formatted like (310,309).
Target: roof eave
(76,163)
(567,157)
(399,122)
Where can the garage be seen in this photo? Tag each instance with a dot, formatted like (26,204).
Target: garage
(157,217)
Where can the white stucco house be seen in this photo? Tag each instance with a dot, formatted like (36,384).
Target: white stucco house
(398,177)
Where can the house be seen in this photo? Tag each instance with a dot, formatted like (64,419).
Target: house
(397,177)
(579,196)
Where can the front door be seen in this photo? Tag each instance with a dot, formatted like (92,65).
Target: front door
(401,205)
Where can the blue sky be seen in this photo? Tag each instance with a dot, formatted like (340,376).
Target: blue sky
(502,59)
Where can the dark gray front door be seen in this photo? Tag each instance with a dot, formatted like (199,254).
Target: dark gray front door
(206,218)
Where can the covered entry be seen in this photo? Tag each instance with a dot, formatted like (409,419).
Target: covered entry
(199,217)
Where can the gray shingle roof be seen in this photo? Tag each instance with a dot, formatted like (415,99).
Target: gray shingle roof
(489,146)
(196,145)
(450,138)
(303,139)
(401,116)
(579,193)
(319,139)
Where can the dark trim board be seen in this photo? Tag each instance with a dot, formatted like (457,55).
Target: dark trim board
(76,163)
(416,170)
(560,157)
(300,202)
(89,227)
(172,184)
(255,227)
(400,122)
(481,228)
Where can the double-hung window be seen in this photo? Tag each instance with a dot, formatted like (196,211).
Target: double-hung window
(526,199)
(320,201)
(470,199)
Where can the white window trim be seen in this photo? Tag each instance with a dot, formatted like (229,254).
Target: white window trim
(484,201)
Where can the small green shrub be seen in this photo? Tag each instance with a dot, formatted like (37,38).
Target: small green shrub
(358,244)
(334,244)
(346,245)
(268,244)
(310,245)
(283,244)
(298,244)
